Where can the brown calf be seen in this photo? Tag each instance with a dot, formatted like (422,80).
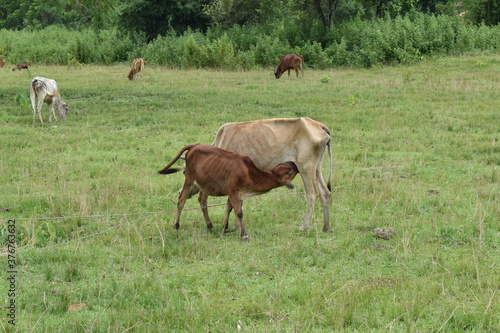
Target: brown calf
(218,172)
(2,63)
(137,68)
(288,62)
(23,65)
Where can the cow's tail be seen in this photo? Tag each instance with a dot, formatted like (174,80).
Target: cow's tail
(330,164)
(329,182)
(33,87)
(166,170)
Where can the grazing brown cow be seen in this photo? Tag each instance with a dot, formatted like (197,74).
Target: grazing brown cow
(2,63)
(269,142)
(137,68)
(218,172)
(45,90)
(23,65)
(288,62)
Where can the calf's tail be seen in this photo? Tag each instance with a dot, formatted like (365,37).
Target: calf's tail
(166,170)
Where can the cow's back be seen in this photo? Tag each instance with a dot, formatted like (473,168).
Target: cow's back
(49,85)
(272,141)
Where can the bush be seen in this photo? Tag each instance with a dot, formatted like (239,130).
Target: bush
(192,53)
(165,51)
(268,51)
(219,54)
(357,43)
(314,55)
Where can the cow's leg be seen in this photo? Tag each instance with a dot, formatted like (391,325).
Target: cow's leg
(229,208)
(297,72)
(238,210)
(289,72)
(50,113)
(203,199)
(325,197)
(34,115)
(34,109)
(315,186)
(39,109)
(54,113)
(310,187)
(33,104)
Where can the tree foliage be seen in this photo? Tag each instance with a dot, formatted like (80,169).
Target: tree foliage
(157,17)
(305,19)
(37,14)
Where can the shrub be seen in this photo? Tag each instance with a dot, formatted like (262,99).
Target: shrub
(268,51)
(219,53)
(314,55)
(192,53)
(356,43)
(165,51)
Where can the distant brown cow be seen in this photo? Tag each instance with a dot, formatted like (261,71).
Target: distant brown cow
(137,68)
(288,62)
(218,172)
(23,65)
(2,63)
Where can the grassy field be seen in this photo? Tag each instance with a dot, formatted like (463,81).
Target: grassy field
(415,149)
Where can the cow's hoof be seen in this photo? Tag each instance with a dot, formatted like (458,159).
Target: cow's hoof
(210,226)
(228,231)
(246,239)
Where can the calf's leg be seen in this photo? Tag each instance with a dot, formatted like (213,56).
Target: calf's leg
(229,208)
(203,199)
(237,205)
(183,196)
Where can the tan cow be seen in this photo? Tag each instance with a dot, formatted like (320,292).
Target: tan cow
(137,68)
(288,62)
(219,172)
(45,90)
(269,142)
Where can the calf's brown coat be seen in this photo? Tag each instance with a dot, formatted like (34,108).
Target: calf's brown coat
(218,172)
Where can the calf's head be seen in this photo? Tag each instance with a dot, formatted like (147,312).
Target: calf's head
(285,173)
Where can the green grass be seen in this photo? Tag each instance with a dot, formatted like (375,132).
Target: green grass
(397,133)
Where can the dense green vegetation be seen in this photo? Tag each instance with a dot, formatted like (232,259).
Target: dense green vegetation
(415,149)
(246,34)
(350,44)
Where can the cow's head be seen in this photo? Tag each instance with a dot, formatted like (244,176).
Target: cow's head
(62,109)
(277,73)
(285,173)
